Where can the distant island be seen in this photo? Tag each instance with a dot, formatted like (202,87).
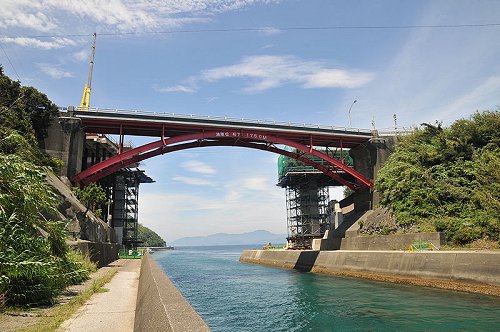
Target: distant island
(219,239)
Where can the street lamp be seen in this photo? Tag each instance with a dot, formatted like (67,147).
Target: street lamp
(354,102)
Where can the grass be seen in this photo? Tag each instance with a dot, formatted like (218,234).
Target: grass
(480,244)
(54,317)
(102,290)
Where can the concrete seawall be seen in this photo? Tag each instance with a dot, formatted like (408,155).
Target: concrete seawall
(160,306)
(462,266)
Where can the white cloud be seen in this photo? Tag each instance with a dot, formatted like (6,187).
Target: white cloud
(178,202)
(212,99)
(436,74)
(268,31)
(253,187)
(269,71)
(82,56)
(478,98)
(256,183)
(122,15)
(335,78)
(175,88)
(198,167)
(51,43)
(233,196)
(193,181)
(54,71)
(25,14)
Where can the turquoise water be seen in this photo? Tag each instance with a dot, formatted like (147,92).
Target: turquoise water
(234,296)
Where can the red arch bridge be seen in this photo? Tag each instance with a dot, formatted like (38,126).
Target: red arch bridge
(175,132)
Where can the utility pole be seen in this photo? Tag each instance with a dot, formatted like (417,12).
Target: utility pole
(85,103)
(395,121)
(354,102)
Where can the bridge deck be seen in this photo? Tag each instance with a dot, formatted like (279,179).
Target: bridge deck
(105,121)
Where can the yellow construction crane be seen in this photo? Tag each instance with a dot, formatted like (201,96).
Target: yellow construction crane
(85,103)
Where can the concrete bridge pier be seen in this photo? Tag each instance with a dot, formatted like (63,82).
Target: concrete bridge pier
(66,141)
(368,159)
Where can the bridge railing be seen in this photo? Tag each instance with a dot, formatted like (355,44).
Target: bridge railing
(395,132)
(214,118)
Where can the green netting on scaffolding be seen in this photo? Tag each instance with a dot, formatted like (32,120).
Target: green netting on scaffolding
(287,164)
(130,253)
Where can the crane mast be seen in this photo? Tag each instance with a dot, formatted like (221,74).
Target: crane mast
(85,103)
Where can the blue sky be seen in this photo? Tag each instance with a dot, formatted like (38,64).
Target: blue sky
(312,76)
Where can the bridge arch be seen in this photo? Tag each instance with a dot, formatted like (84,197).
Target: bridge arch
(249,139)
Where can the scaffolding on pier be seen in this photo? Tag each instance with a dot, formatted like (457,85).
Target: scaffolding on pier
(121,187)
(307,213)
(307,198)
(125,205)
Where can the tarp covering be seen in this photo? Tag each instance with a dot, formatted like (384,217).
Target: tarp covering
(287,164)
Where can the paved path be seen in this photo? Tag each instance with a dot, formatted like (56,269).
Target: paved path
(113,310)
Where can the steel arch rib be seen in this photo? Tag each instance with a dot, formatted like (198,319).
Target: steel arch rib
(169,149)
(126,158)
(120,158)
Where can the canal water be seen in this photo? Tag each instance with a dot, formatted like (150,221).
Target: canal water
(234,296)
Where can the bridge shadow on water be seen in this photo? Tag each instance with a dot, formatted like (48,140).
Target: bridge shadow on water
(306,260)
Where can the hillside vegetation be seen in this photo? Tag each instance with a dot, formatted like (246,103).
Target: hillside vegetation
(148,237)
(447,179)
(35,262)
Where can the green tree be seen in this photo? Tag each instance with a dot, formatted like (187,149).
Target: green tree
(148,237)
(25,115)
(92,196)
(9,90)
(447,179)
(40,110)
(35,262)
(26,103)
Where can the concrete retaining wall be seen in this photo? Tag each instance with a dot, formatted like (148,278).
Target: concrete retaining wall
(287,259)
(160,306)
(100,253)
(459,265)
(389,242)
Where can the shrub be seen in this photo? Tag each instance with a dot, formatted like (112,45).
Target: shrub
(35,263)
(450,176)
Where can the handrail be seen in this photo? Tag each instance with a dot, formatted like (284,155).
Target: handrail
(394,132)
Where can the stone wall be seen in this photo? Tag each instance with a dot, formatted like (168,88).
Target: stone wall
(82,224)
(160,306)
(90,235)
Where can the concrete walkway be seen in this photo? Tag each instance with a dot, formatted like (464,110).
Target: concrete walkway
(113,310)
